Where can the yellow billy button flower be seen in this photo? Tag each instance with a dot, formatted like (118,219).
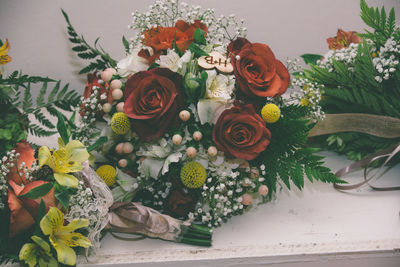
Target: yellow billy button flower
(304,102)
(4,58)
(107,173)
(38,252)
(120,123)
(63,237)
(193,175)
(270,113)
(68,159)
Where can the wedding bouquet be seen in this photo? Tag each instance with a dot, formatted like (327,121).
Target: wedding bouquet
(196,122)
(357,83)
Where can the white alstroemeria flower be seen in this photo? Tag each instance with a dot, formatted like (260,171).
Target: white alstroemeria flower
(209,110)
(219,86)
(174,62)
(131,64)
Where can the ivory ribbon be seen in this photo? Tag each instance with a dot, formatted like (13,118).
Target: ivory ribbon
(380,126)
(389,153)
(134,218)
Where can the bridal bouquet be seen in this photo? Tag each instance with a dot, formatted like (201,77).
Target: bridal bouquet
(196,122)
(357,83)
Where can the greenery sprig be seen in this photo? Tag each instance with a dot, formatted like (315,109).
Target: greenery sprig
(100,60)
(17,102)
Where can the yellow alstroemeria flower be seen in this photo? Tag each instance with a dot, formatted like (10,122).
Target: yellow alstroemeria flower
(62,237)
(67,159)
(38,252)
(4,58)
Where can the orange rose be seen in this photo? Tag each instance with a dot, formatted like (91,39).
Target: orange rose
(343,39)
(23,211)
(27,155)
(161,38)
(189,29)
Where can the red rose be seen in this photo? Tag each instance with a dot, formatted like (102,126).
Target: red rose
(153,100)
(179,201)
(241,133)
(23,211)
(27,155)
(93,81)
(258,73)
(343,39)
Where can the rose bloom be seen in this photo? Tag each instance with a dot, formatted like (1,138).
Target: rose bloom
(153,100)
(343,39)
(258,73)
(27,155)
(93,81)
(161,38)
(23,211)
(179,203)
(241,133)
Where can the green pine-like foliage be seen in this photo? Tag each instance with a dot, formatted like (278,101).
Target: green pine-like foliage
(99,59)
(20,107)
(358,91)
(287,157)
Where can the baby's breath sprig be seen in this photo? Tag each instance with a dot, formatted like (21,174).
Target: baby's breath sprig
(165,13)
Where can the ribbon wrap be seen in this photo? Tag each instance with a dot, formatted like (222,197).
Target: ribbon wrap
(380,126)
(132,217)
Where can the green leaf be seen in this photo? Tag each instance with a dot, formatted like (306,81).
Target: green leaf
(38,192)
(5,134)
(41,214)
(311,58)
(62,128)
(99,142)
(199,36)
(126,44)
(196,50)
(62,194)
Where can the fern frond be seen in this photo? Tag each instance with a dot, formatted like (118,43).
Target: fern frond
(39,131)
(102,60)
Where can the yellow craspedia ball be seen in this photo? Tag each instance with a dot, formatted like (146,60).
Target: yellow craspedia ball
(270,113)
(193,175)
(107,173)
(304,102)
(120,123)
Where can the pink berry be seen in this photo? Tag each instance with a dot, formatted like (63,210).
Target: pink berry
(177,139)
(116,84)
(123,163)
(112,70)
(197,136)
(263,190)
(106,75)
(120,107)
(212,151)
(191,152)
(247,199)
(184,115)
(107,107)
(117,94)
(127,148)
(119,148)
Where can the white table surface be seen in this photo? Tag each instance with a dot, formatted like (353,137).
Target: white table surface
(319,226)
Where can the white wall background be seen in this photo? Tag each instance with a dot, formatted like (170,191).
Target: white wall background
(39,44)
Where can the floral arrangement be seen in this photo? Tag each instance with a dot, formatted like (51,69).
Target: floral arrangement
(44,200)
(357,85)
(195,120)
